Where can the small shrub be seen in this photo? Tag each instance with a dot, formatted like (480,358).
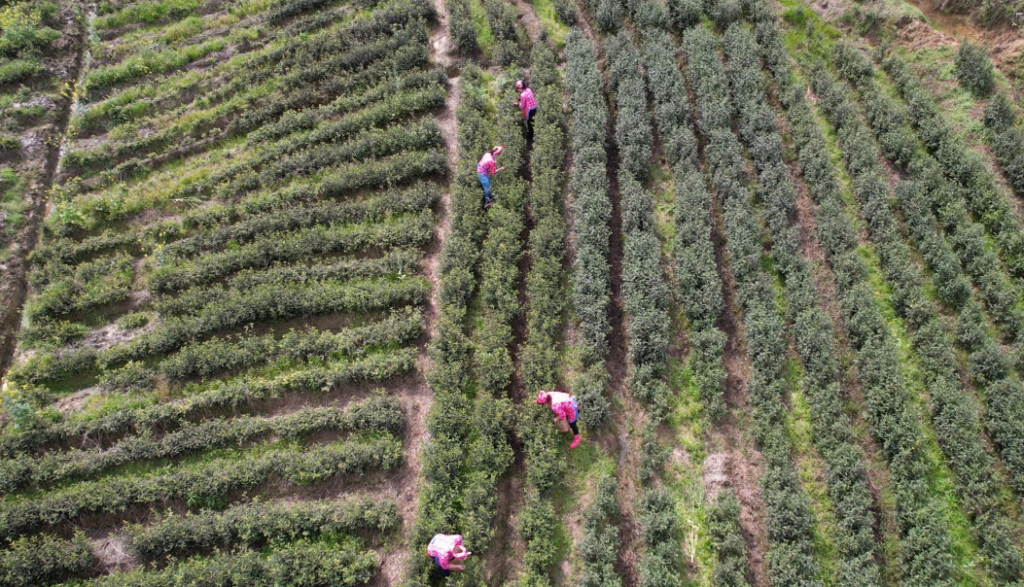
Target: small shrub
(974,69)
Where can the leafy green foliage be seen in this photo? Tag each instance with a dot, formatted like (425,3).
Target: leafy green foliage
(200,482)
(974,70)
(589,184)
(255,523)
(379,413)
(300,564)
(231,397)
(731,552)
(44,560)
(645,295)
(811,327)
(963,168)
(461,27)
(599,547)
(1005,138)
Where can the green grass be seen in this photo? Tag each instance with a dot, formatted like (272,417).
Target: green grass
(555,29)
(13,202)
(939,477)
(683,476)
(484,36)
(811,468)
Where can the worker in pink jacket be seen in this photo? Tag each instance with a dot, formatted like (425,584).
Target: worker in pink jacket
(528,104)
(566,411)
(486,169)
(444,548)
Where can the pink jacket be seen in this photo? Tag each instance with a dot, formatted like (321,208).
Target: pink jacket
(563,405)
(443,546)
(526,101)
(487,165)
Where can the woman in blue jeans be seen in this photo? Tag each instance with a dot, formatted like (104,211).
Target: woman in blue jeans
(485,169)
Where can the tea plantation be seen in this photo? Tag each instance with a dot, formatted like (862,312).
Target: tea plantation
(259,328)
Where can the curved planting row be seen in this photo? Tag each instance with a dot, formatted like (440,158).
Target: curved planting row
(811,327)
(891,411)
(954,410)
(790,522)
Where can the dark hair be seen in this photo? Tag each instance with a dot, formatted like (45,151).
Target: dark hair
(525,83)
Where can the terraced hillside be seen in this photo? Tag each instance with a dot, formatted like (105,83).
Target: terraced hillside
(262,331)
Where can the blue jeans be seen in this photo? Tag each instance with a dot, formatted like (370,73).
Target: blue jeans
(444,572)
(485,182)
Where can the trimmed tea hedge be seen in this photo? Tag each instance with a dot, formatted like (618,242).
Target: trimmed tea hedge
(200,483)
(299,564)
(379,413)
(894,420)
(812,331)
(43,560)
(221,398)
(598,550)
(790,522)
(256,523)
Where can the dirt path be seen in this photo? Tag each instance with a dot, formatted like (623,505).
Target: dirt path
(733,453)
(416,398)
(13,285)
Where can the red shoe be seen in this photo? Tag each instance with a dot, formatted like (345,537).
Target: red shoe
(576,440)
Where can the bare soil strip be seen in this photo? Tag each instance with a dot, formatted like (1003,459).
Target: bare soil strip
(13,285)
(416,398)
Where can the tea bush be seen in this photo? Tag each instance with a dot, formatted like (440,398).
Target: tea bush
(203,481)
(500,256)
(589,184)
(256,523)
(1005,138)
(376,414)
(598,550)
(221,398)
(44,560)
(731,566)
(954,411)
(216,355)
(276,247)
(300,564)
(461,27)
(963,168)
(812,331)
(645,296)
(700,286)
(789,520)
(974,70)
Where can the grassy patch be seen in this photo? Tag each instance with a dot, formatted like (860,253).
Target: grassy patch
(556,31)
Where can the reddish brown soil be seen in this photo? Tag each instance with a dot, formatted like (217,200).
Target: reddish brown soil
(744,464)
